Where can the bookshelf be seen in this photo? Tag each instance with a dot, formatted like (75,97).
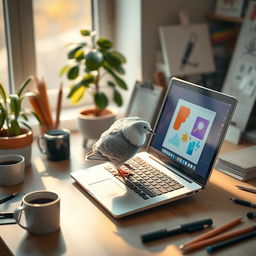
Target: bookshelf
(214,16)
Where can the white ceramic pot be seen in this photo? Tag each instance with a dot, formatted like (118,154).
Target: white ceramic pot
(92,126)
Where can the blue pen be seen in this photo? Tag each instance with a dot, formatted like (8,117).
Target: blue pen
(221,245)
(243,202)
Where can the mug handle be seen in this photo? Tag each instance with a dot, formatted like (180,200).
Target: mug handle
(16,215)
(39,139)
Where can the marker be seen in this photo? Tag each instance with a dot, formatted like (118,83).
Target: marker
(6,215)
(183,228)
(251,215)
(7,197)
(242,202)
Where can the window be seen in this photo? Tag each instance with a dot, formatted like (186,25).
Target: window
(57,23)
(3,51)
(37,32)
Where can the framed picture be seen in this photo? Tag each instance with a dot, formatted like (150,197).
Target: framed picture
(241,76)
(232,8)
(145,101)
(186,49)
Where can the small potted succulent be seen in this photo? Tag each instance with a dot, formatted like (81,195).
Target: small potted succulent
(16,136)
(93,66)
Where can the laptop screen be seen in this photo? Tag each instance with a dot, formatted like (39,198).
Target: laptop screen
(190,128)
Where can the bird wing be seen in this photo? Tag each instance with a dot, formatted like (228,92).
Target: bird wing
(117,125)
(97,156)
(115,128)
(116,148)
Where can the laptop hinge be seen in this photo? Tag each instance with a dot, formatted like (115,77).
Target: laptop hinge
(173,169)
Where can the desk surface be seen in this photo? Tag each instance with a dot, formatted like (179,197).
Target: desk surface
(87,229)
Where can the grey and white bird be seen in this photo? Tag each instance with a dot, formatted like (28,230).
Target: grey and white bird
(120,142)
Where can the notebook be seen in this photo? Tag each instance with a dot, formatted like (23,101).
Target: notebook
(178,159)
(240,164)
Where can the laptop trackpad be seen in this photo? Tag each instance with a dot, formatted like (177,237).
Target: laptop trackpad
(106,188)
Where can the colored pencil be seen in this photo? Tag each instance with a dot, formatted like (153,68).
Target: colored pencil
(42,91)
(58,109)
(220,238)
(36,105)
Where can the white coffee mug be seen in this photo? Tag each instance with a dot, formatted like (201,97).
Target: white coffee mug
(12,169)
(42,212)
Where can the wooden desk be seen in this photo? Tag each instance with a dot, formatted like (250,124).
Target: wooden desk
(87,229)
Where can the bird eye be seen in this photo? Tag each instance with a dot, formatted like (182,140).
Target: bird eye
(145,127)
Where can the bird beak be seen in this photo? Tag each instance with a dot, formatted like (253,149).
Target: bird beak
(151,131)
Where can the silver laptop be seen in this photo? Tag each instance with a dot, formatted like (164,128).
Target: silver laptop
(179,158)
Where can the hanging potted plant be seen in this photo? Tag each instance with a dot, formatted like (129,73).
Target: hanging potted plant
(91,68)
(16,135)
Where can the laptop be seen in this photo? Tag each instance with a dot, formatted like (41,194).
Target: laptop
(178,159)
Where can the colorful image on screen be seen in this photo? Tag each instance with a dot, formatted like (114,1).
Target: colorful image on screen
(188,130)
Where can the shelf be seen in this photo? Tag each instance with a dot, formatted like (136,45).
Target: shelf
(224,18)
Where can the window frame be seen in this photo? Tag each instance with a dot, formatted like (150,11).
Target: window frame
(20,43)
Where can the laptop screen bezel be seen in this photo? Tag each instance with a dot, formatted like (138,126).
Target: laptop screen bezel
(168,162)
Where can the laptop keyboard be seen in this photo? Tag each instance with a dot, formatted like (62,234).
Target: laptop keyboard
(147,180)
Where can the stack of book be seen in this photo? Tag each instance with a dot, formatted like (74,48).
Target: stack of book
(240,164)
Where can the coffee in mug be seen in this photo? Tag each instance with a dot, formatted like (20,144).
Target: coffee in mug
(42,212)
(12,169)
(55,144)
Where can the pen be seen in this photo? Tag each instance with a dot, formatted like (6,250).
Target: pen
(242,202)
(6,215)
(8,197)
(219,238)
(251,215)
(213,232)
(252,190)
(221,245)
(182,228)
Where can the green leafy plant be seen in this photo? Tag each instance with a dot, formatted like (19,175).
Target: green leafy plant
(88,64)
(12,116)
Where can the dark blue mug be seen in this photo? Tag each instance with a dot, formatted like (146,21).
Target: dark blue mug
(55,144)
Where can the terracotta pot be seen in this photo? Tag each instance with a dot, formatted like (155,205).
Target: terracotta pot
(92,126)
(20,145)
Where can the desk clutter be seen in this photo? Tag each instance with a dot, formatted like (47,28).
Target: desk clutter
(240,164)
(213,240)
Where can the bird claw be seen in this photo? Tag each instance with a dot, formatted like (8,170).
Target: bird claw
(123,174)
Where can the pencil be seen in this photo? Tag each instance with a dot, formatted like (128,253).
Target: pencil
(221,245)
(252,190)
(220,238)
(214,232)
(42,90)
(58,109)
(36,105)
